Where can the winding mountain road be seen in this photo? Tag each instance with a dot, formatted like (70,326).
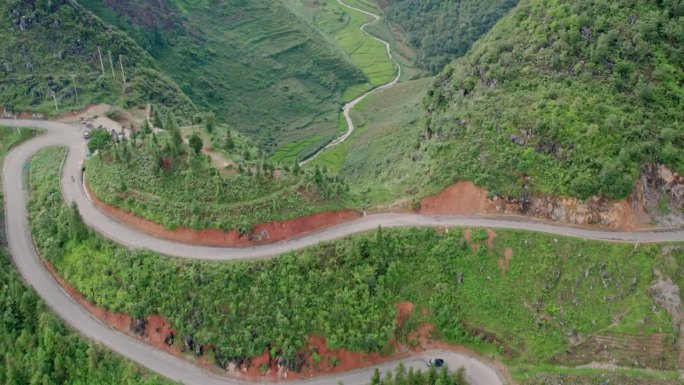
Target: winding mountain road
(349,106)
(34,272)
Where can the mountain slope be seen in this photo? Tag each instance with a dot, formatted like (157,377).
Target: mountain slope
(255,64)
(444,29)
(563,98)
(42,44)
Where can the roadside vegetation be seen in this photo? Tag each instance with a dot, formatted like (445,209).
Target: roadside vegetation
(254,64)
(401,376)
(524,298)
(43,44)
(563,99)
(35,347)
(161,178)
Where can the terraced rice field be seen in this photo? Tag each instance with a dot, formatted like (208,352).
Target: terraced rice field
(344,25)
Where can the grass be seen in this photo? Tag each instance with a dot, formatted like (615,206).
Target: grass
(294,152)
(60,41)
(11,136)
(378,158)
(258,67)
(346,291)
(545,374)
(342,25)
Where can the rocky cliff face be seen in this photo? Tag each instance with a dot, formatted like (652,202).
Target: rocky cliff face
(658,200)
(661,192)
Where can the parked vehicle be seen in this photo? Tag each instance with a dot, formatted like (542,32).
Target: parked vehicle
(436,362)
(86,135)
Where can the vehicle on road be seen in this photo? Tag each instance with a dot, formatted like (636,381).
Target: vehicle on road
(86,135)
(436,362)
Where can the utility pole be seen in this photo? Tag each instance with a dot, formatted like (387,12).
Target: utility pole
(122,71)
(111,63)
(54,97)
(73,78)
(16,125)
(101,62)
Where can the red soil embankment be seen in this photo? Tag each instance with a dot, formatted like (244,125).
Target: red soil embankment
(327,361)
(461,198)
(156,329)
(261,234)
(465,198)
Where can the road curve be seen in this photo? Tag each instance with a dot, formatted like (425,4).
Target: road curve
(31,268)
(348,107)
(33,271)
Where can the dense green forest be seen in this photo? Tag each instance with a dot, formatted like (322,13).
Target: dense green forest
(442,30)
(253,63)
(35,347)
(568,98)
(48,52)
(520,297)
(161,178)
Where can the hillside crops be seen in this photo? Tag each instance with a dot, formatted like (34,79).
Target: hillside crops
(177,188)
(521,297)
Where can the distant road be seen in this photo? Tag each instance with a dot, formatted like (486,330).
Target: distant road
(348,107)
(31,268)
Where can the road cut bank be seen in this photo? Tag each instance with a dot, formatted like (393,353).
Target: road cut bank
(81,317)
(260,234)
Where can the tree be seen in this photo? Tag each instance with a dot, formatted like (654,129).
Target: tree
(196,143)
(77,228)
(375,379)
(156,119)
(100,139)
(172,127)
(209,121)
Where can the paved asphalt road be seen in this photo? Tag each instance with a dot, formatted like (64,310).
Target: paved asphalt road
(33,271)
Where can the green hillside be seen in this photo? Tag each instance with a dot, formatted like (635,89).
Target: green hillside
(44,43)
(441,30)
(255,64)
(567,98)
(35,347)
(162,179)
(533,301)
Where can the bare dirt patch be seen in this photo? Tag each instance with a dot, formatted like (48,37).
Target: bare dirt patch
(462,198)
(260,234)
(491,235)
(504,262)
(404,310)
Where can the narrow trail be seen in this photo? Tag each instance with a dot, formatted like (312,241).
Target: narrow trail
(349,106)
